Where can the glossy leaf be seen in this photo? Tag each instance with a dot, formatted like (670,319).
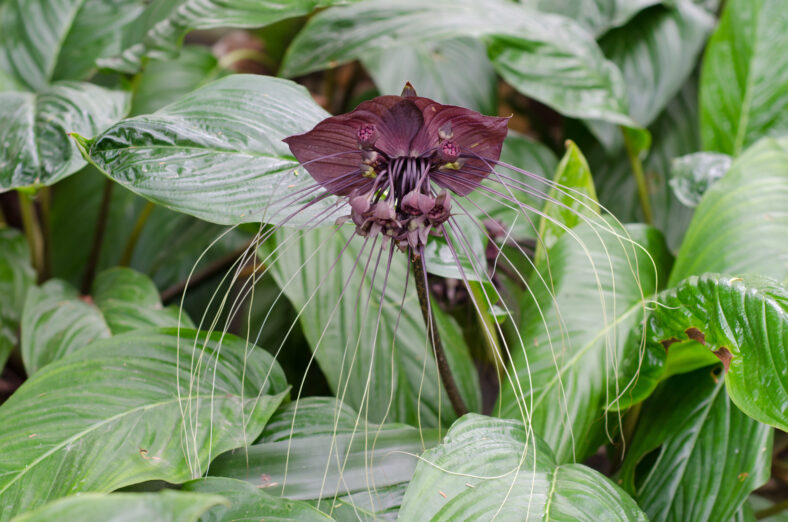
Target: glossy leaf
(567,207)
(319,449)
(217,153)
(468,244)
(547,57)
(693,174)
(42,41)
(16,276)
(440,71)
(744,81)
(167,505)
(745,322)
(491,468)
(580,353)
(36,148)
(707,455)
(247,503)
(164,81)
(388,372)
(740,225)
(135,407)
(598,16)
(57,320)
(159,29)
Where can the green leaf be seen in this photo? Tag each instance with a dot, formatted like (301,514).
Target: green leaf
(336,281)
(547,57)
(674,133)
(707,455)
(744,85)
(138,406)
(57,321)
(36,148)
(16,276)
(439,70)
(598,16)
(247,503)
(745,321)
(492,468)
(578,353)
(42,41)
(468,242)
(167,505)
(692,175)
(320,449)
(569,206)
(740,225)
(217,153)
(164,81)
(158,31)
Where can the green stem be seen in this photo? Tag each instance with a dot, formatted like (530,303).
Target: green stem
(773,510)
(45,203)
(32,229)
(98,237)
(420,276)
(489,328)
(640,177)
(131,244)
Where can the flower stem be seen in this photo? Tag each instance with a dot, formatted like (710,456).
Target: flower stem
(489,328)
(420,277)
(640,178)
(131,243)
(98,238)
(32,227)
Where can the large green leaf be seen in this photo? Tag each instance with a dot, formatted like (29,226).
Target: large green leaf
(439,70)
(707,455)
(548,57)
(577,354)
(319,449)
(741,224)
(388,372)
(159,29)
(135,407)
(249,504)
(692,175)
(166,505)
(569,206)
(744,82)
(42,41)
(36,148)
(745,321)
(217,153)
(16,276)
(57,321)
(598,16)
(494,469)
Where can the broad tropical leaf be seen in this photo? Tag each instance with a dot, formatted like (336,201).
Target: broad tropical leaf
(36,148)
(547,57)
(160,28)
(167,505)
(57,320)
(577,354)
(491,468)
(707,455)
(745,322)
(692,175)
(135,407)
(599,16)
(388,372)
(42,41)
(217,153)
(16,276)
(741,224)
(439,70)
(744,81)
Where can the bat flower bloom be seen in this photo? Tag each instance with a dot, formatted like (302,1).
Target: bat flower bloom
(399,159)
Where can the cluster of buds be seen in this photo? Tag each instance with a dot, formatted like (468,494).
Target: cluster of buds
(409,225)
